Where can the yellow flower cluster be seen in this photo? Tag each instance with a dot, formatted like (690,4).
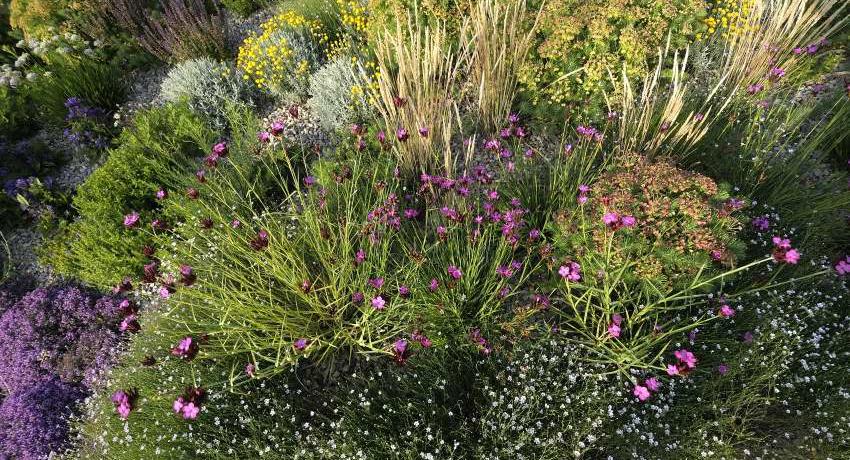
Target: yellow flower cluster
(366,92)
(729,17)
(354,15)
(269,59)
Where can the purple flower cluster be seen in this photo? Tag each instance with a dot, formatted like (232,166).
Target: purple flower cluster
(34,419)
(60,331)
(87,126)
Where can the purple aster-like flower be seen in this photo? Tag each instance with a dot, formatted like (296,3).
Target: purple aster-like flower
(454,272)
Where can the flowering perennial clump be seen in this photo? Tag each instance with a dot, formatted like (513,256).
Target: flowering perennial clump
(284,55)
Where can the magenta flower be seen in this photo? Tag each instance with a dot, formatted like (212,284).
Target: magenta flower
(570,271)
(792,256)
(401,351)
(652,384)
(686,357)
(479,340)
(614,330)
(130,323)
(161,194)
(722,369)
(610,219)
(454,272)
(423,132)
(376,283)
(726,311)
(672,370)
(755,89)
(276,128)
(211,160)
(747,337)
(189,405)
(220,149)
(783,252)
(628,221)
(641,392)
(235,223)
(404,291)
(124,401)
(309,181)
(201,175)
(359,257)
(401,134)
(131,220)
(434,285)
(264,136)
(192,193)
(842,267)
(588,132)
(187,275)
(358,297)
(776,73)
(300,344)
(261,241)
(381,136)
(187,348)
(250,369)
(411,213)
(378,303)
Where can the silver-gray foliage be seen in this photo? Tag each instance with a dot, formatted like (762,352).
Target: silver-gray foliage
(208,87)
(332,100)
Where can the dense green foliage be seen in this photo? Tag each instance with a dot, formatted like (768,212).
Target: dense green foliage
(96,247)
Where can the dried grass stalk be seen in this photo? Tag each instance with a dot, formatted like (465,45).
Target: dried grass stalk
(417,88)
(501,40)
(664,119)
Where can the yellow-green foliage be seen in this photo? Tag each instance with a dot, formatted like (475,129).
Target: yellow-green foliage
(35,17)
(284,55)
(383,13)
(581,40)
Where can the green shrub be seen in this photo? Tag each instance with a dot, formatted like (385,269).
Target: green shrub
(243,7)
(208,87)
(16,120)
(383,14)
(581,41)
(37,18)
(99,84)
(96,248)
